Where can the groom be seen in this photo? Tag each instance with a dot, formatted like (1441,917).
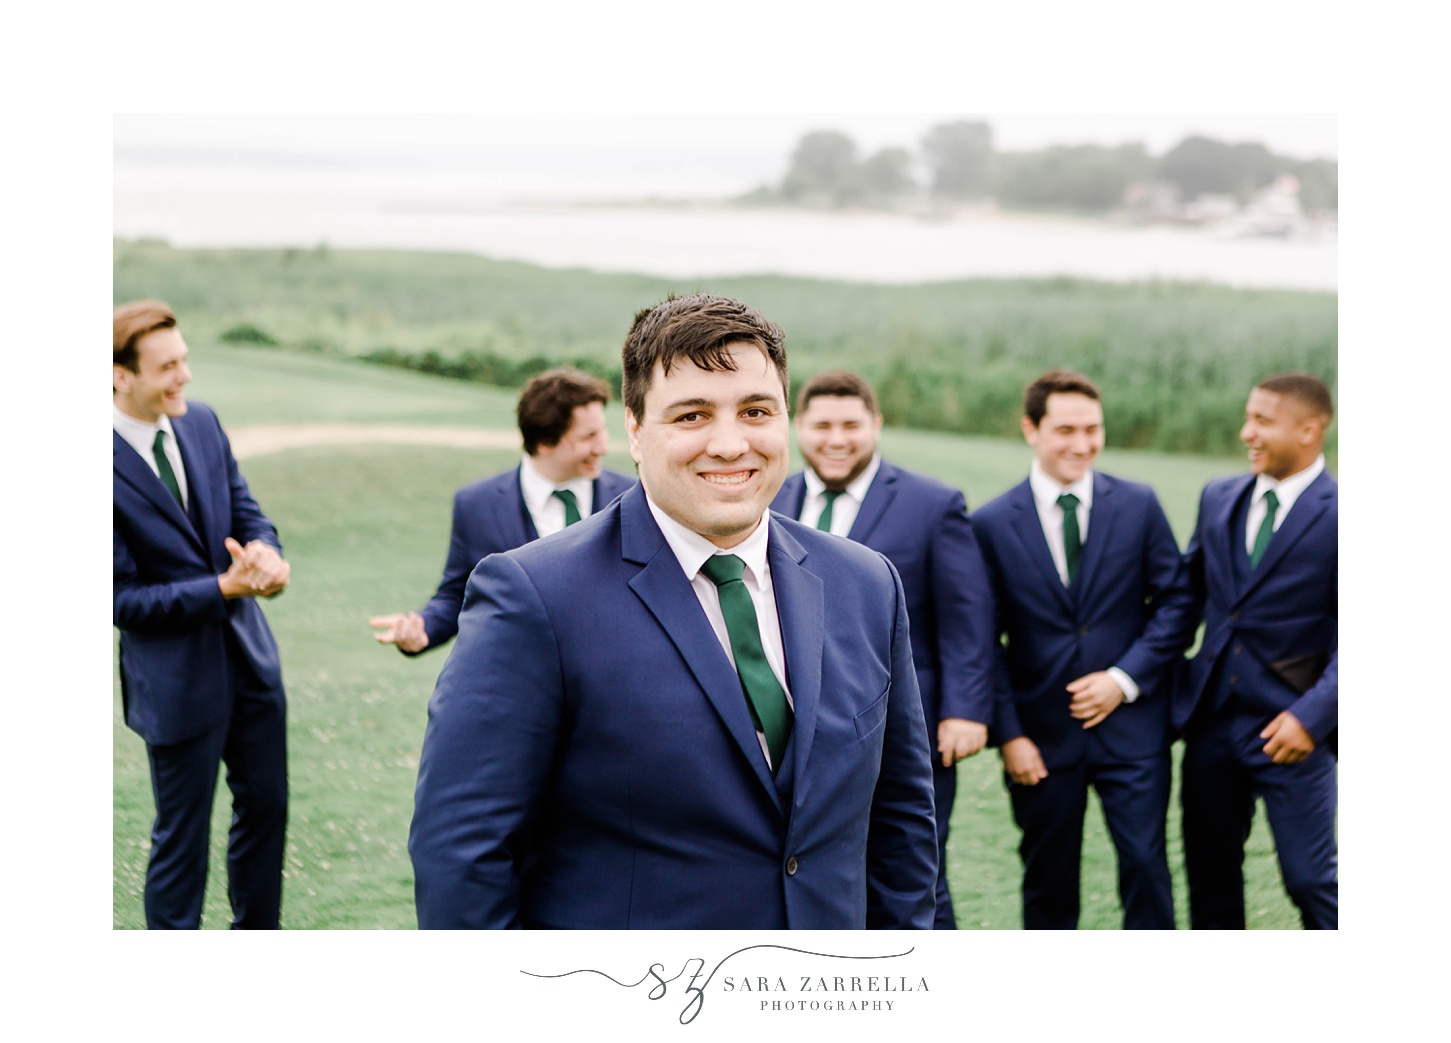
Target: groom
(646,721)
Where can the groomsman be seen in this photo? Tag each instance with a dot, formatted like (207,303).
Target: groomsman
(560,480)
(921,526)
(1091,595)
(200,677)
(1261,702)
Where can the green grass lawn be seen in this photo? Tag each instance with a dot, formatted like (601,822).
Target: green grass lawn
(366,530)
(947,356)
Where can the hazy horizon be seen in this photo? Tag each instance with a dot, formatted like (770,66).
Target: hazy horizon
(614,156)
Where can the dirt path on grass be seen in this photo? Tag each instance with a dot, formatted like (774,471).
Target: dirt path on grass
(260,439)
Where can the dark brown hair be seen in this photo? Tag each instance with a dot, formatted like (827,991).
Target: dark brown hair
(131,322)
(547,404)
(697,328)
(1304,388)
(1054,382)
(837,383)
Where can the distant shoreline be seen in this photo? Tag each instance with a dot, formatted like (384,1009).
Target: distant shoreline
(956,214)
(713,239)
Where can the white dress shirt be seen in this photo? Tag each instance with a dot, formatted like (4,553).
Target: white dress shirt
(692,549)
(844,512)
(1287,491)
(141,436)
(1046,491)
(544,507)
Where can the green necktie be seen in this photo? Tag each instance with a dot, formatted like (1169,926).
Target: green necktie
(1072,542)
(764,694)
(823,521)
(163,467)
(1267,529)
(571,506)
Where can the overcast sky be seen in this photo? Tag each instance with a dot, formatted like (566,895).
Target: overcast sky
(615,153)
(1302,135)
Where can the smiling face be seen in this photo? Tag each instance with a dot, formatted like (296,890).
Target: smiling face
(712,444)
(1068,438)
(158,386)
(1282,434)
(581,451)
(838,436)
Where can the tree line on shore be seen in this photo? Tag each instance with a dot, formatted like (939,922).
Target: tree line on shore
(960,164)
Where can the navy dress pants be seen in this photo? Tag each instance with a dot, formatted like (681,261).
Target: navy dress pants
(1224,770)
(944,787)
(253,746)
(1135,799)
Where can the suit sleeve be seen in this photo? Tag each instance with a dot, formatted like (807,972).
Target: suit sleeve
(441,614)
(248,521)
(1172,616)
(487,754)
(963,600)
(1194,576)
(173,605)
(1318,709)
(902,837)
(1005,725)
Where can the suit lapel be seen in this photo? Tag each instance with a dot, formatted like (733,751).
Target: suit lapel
(662,586)
(199,491)
(511,514)
(801,608)
(1034,542)
(874,504)
(791,497)
(133,470)
(1311,504)
(599,495)
(1101,519)
(1229,523)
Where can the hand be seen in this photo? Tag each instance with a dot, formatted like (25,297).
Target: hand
(270,572)
(257,570)
(958,739)
(1095,696)
(1023,762)
(1289,742)
(404,629)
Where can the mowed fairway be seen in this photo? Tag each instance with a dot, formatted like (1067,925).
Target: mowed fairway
(366,529)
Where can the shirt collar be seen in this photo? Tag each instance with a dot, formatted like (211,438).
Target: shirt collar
(139,434)
(537,489)
(692,549)
(1288,490)
(857,490)
(1047,489)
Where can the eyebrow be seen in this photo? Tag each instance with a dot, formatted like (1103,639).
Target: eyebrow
(709,403)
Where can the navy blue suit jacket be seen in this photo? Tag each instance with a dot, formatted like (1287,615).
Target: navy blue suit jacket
(1284,610)
(921,525)
(590,762)
(165,597)
(489,516)
(1125,608)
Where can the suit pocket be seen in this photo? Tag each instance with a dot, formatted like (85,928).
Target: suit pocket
(870,719)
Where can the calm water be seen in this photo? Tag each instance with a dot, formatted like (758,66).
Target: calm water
(701,242)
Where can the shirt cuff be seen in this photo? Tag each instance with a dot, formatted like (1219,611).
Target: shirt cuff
(1131,690)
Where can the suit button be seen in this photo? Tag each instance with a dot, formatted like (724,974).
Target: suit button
(1238,649)
(1234,617)
(1234,680)
(1082,631)
(791,866)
